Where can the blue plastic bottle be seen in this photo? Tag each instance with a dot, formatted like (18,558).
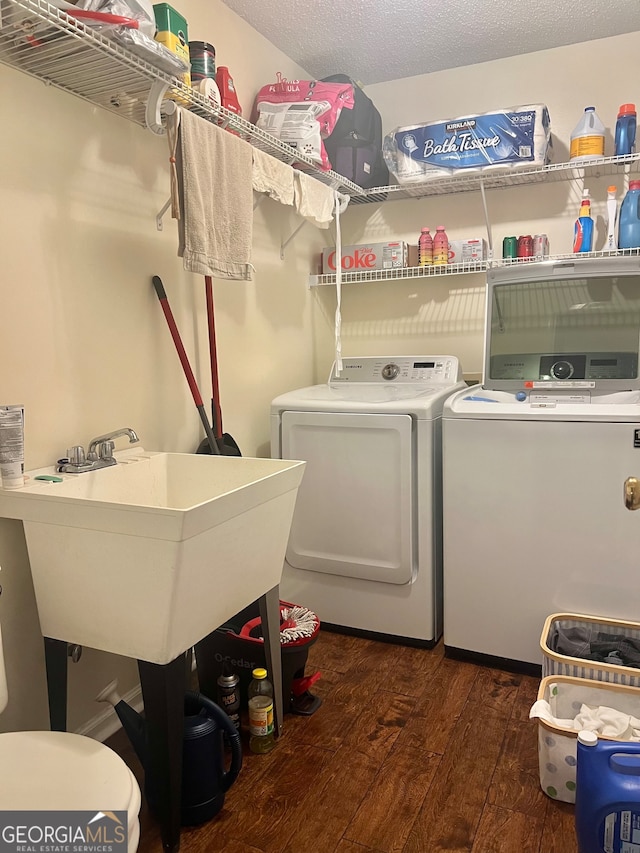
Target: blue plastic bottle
(607,795)
(626,130)
(583,229)
(629,222)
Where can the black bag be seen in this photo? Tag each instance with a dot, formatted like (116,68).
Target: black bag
(355,146)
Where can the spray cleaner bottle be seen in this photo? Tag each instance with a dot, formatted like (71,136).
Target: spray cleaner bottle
(583,229)
(612,220)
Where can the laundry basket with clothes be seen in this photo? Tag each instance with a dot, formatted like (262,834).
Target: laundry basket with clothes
(592,647)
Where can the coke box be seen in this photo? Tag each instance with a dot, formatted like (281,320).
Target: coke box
(467,251)
(368,256)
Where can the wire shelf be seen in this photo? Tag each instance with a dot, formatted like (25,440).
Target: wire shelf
(44,42)
(466,182)
(403,273)
(398,273)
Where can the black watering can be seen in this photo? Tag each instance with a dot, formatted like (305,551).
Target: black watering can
(204,779)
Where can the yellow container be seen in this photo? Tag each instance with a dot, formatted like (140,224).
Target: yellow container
(173,34)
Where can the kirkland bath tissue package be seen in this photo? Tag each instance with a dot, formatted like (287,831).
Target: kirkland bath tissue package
(503,139)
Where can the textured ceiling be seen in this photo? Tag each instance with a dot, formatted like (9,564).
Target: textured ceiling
(376,40)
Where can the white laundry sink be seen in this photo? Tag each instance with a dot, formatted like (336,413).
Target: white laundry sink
(148,556)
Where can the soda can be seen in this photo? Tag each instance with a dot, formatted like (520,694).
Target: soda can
(525,246)
(510,247)
(540,246)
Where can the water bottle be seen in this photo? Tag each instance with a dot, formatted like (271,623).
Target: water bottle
(261,727)
(626,130)
(425,248)
(440,246)
(629,222)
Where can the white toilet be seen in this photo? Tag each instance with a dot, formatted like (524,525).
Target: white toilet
(51,771)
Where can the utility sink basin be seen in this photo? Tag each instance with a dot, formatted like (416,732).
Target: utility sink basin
(147,557)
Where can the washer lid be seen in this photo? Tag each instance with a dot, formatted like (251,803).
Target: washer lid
(397,399)
(402,384)
(481,403)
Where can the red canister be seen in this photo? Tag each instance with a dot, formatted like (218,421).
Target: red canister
(525,246)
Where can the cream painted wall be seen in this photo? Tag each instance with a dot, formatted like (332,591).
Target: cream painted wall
(446,314)
(83,342)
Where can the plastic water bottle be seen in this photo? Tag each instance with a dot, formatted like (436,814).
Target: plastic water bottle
(425,248)
(440,246)
(626,130)
(261,727)
(587,139)
(607,794)
(629,222)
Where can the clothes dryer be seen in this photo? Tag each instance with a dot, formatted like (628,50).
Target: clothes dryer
(365,550)
(535,460)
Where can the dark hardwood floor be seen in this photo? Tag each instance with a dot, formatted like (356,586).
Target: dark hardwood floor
(411,752)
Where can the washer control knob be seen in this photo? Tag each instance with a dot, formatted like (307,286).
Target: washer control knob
(390,371)
(521,396)
(562,370)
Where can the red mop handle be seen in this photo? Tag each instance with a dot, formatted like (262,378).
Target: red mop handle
(175,334)
(213,357)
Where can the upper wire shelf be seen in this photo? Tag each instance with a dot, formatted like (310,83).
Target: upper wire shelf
(44,42)
(464,181)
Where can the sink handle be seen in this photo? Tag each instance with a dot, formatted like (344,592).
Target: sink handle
(76,455)
(106,449)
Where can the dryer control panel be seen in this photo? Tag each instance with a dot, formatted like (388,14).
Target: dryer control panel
(421,369)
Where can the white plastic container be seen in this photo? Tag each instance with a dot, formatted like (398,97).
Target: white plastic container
(557,744)
(587,139)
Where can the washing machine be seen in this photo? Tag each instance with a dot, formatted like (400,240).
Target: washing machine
(535,461)
(365,547)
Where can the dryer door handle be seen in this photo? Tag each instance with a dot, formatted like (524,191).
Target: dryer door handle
(632,493)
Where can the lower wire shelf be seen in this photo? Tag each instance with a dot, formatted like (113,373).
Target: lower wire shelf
(472,267)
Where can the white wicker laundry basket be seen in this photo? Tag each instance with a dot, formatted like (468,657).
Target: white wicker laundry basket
(554,663)
(557,746)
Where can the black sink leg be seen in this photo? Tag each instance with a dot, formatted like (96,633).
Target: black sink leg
(56,659)
(163,689)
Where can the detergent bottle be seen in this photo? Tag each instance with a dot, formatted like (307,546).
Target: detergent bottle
(587,139)
(607,812)
(626,130)
(629,225)
(583,229)
(228,94)
(612,219)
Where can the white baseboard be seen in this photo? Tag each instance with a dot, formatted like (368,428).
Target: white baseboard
(107,723)
(103,725)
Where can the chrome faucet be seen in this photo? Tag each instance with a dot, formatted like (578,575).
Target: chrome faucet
(111,436)
(99,454)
